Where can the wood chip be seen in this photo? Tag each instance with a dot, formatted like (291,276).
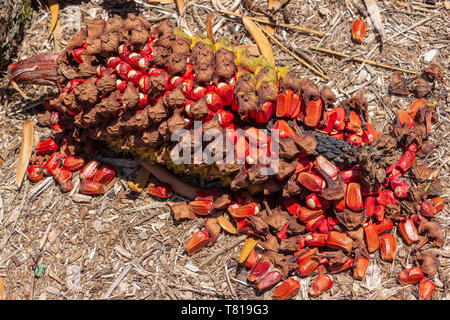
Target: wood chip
(123,252)
(75,256)
(81,198)
(16,261)
(53,235)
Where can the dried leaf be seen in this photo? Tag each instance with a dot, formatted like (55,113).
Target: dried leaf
(226,225)
(260,39)
(434,231)
(54,10)
(209,28)
(25,151)
(180,5)
(335,189)
(269,28)
(249,244)
(398,84)
(428,263)
(213,228)
(141,180)
(421,171)
(351,220)
(181,211)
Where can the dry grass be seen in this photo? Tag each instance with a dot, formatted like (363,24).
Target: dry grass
(123,246)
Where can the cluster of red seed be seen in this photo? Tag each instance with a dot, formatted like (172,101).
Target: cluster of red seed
(359,205)
(144,89)
(50,160)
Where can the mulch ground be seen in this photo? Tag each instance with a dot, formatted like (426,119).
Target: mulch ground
(127,246)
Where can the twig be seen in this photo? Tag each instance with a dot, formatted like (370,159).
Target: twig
(306,64)
(405,5)
(44,238)
(124,273)
(412,26)
(283,25)
(435,173)
(145,207)
(229,283)
(375,63)
(223,250)
(37,190)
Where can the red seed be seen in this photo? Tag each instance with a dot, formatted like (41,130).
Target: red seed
(426,289)
(406,161)
(195,243)
(326,166)
(258,270)
(410,276)
(64,179)
(316,239)
(35,173)
(340,241)
(383,226)
(378,213)
(353,197)
(161,190)
(292,206)
(427,209)
(200,207)
(408,231)
(313,113)
(104,174)
(307,265)
(252,259)
(46,147)
(352,175)
(77,54)
(214,102)
(89,170)
(52,163)
(388,247)
(371,237)
(313,202)
(225,92)
(369,205)
(358,31)
(321,283)
(73,163)
(269,280)
(311,181)
(287,289)
(225,117)
(359,271)
(91,188)
(243,211)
